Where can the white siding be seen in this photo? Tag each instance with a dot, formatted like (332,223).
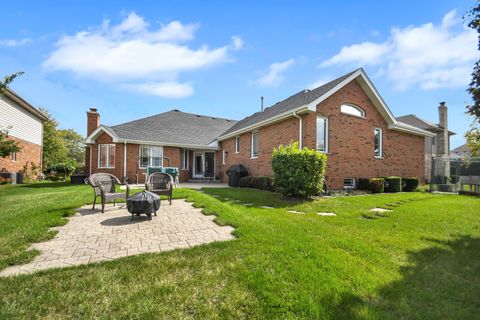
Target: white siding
(19,122)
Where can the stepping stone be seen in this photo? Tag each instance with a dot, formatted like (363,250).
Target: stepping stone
(247,204)
(380,210)
(226,198)
(295,211)
(266,207)
(326,214)
(215,196)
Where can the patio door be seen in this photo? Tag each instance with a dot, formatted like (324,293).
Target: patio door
(198,164)
(209,164)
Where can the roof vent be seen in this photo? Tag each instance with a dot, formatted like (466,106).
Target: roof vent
(176,110)
(198,116)
(306,90)
(213,118)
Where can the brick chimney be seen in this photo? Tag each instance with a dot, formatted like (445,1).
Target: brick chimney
(443,145)
(93,120)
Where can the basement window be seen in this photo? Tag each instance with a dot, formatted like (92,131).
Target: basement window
(348,183)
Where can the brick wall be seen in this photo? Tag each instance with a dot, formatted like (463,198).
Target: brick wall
(133,170)
(350,143)
(31,153)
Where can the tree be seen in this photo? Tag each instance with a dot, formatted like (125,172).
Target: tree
(54,146)
(75,146)
(473,135)
(7,147)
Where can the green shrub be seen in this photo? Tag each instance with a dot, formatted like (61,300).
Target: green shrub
(262,183)
(298,172)
(376,185)
(410,184)
(393,184)
(364,184)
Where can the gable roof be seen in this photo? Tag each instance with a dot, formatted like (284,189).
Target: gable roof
(299,99)
(307,101)
(12,95)
(169,128)
(423,124)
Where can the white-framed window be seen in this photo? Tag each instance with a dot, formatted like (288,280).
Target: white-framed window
(106,156)
(255,144)
(237,144)
(150,156)
(349,183)
(14,156)
(185,159)
(352,110)
(322,134)
(224,157)
(377,143)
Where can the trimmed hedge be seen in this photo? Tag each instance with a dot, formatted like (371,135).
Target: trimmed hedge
(298,172)
(363,183)
(410,184)
(262,183)
(376,185)
(393,184)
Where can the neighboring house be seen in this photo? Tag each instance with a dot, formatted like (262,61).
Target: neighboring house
(461,152)
(439,144)
(345,118)
(24,124)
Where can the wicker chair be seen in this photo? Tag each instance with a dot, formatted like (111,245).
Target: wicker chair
(161,184)
(103,185)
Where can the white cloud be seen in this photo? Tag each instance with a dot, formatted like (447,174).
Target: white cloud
(429,56)
(134,52)
(275,74)
(13,42)
(168,89)
(237,43)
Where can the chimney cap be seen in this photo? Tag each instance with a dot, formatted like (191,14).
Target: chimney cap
(93,110)
(442,104)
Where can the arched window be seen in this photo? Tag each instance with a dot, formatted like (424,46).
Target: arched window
(352,110)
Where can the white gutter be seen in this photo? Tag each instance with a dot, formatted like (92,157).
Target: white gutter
(403,127)
(265,122)
(300,125)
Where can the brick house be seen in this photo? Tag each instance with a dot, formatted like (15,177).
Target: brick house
(345,118)
(24,124)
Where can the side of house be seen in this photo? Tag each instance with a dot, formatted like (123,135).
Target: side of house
(355,132)
(24,124)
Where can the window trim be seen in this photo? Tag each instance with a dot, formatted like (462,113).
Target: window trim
(107,157)
(327,131)
(380,156)
(185,155)
(224,156)
(149,157)
(237,145)
(252,156)
(363,116)
(354,183)
(14,156)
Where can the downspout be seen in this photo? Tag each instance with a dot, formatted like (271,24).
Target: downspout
(300,127)
(90,166)
(125,161)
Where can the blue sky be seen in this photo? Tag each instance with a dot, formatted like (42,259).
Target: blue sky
(132,59)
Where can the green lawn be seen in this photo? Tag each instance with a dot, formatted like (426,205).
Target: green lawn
(420,261)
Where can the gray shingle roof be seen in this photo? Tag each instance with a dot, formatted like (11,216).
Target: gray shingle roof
(297,100)
(174,127)
(415,121)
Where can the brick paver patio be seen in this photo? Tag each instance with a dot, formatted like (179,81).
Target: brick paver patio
(92,236)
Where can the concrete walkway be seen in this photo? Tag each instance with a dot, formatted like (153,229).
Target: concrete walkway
(92,236)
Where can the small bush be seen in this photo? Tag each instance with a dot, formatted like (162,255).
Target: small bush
(5,180)
(376,185)
(410,184)
(364,184)
(262,183)
(298,172)
(393,184)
